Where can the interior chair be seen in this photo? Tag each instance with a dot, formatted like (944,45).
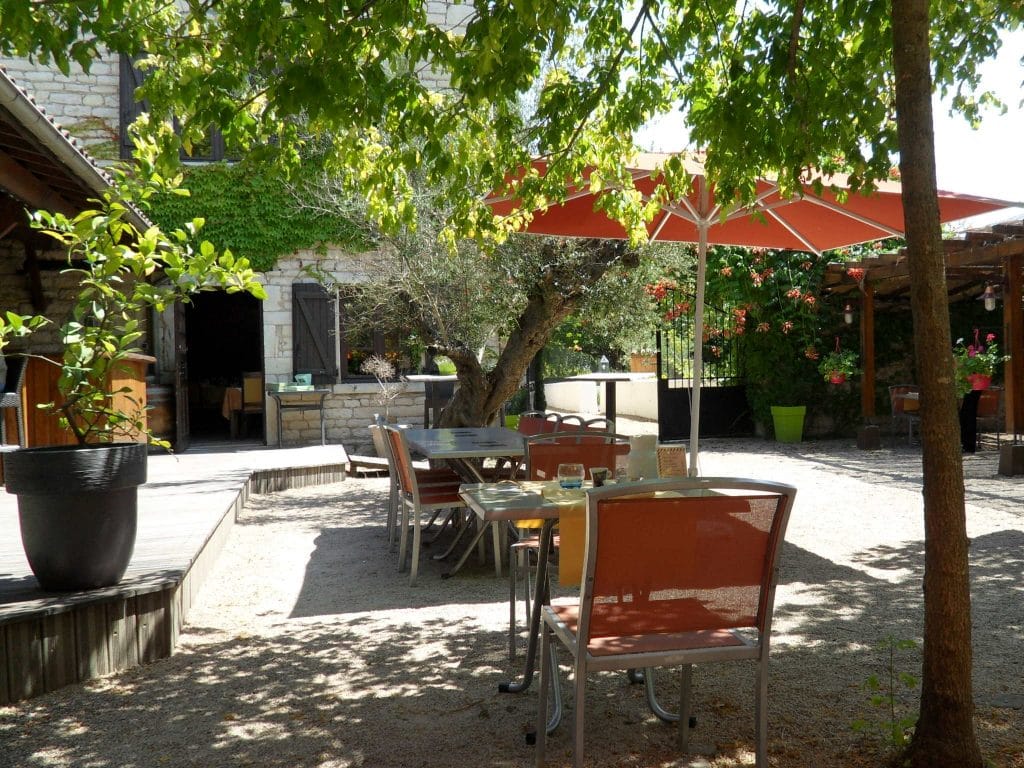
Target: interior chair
(989,418)
(252,402)
(417,493)
(904,409)
(682,573)
(10,398)
(543,455)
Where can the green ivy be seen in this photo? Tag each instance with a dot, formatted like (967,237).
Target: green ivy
(252,210)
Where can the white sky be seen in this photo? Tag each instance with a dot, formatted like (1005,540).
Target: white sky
(988,161)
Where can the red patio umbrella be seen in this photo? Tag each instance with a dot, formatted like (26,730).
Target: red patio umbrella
(810,221)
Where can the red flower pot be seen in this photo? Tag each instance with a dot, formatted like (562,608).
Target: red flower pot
(836,377)
(979,380)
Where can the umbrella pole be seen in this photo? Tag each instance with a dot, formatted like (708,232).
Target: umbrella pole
(698,346)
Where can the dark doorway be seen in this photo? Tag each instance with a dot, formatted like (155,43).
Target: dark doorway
(224,333)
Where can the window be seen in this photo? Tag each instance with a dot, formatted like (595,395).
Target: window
(318,348)
(131,77)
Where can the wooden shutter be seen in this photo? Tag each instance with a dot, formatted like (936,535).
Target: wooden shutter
(131,77)
(313,332)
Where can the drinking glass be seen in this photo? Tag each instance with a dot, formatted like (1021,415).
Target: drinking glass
(571,475)
(599,475)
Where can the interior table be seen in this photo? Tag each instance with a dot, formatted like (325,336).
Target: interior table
(308,400)
(461,446)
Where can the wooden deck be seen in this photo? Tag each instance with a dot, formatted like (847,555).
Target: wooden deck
(186,510)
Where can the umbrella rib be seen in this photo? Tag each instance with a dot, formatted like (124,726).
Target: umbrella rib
(793,231)
(815,200)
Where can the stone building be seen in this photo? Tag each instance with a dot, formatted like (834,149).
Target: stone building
(213,341)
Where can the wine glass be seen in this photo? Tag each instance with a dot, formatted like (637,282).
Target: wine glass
(570,475)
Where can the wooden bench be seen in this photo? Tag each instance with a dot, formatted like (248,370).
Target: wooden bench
(367,466)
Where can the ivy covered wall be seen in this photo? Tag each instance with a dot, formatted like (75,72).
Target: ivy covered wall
(253,212)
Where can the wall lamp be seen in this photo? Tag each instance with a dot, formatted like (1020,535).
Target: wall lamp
(848,313)
(989,296)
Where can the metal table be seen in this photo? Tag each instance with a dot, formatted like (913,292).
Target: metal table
(459,446)
(609,380)
(294,401)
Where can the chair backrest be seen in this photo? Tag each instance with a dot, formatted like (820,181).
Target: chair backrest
(15,379)
(401,459)
(598,449)
(899,403)
(988,402)
(697,554)
(252,390)
(599,424)
(538,422)
(570,422)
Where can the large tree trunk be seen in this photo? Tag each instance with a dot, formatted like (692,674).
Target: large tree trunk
(551,299)
(945,733)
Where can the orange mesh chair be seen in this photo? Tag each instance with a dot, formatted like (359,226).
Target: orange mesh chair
(418,491)
(538,422)
(543,455)
(673,569)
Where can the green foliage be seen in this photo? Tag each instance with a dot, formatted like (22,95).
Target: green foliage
(884,694)
(839,361)
(252,209)
(124,271)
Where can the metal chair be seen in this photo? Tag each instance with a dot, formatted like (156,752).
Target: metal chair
(10,398)
(903,399)
(543,455)
(989,416)
(538,422)
(418,493)
(674,568)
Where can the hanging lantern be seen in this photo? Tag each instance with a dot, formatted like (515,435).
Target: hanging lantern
(989,297)
(848,313)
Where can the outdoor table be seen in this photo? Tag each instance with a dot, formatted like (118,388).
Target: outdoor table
(437,390)
(459,446)
(507,501)
(609,380)
(297,401)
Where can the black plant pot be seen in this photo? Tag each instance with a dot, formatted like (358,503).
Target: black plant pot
(78,511)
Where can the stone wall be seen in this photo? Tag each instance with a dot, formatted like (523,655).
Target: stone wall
(85,105)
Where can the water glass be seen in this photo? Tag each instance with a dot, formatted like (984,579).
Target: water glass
(599,475)
(571,476)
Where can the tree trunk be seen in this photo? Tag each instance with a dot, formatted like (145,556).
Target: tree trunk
(559,292)
(945,731)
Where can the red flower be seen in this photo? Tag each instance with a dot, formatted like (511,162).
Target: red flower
(855,273)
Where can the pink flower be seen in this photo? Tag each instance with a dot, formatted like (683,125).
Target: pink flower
(763,327)
(787,327)
(793,293)
(726,271)
(990,338)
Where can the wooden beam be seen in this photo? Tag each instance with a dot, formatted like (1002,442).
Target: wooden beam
(27,187)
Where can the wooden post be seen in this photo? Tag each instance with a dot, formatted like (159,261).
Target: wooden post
(1013,335)
(867,351)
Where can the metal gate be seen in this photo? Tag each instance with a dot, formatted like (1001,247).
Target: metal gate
(723,402)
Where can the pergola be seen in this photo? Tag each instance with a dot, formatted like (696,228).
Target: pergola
(992,257)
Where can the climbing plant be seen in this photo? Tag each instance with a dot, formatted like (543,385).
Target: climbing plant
(253,210)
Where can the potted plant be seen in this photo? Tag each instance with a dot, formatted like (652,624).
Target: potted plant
(77,503)
(837,366)
(976,363)
(383,370)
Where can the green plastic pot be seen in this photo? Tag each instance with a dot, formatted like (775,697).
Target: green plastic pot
(789,422)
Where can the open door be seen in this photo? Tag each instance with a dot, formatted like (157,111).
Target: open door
(183,436)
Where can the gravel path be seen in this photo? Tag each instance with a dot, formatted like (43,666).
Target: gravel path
(307,648)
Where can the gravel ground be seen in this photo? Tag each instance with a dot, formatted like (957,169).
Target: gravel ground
(307,648)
